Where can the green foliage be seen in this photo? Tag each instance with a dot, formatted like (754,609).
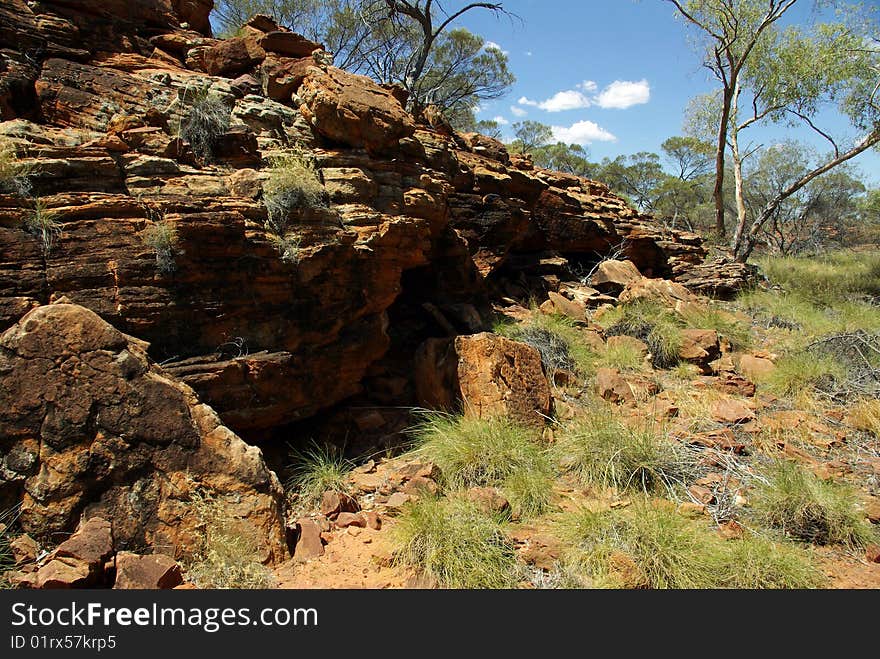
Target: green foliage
(315,470)
(530,135)
(162,238)
(561,157)
(205,120)
(601,450)
(801,505)
(292,184)
(43,224)
(227,559)
(659,327)
(496,452)
(800,372)
(828,278)
(456,544)
(622,356)
(651,546)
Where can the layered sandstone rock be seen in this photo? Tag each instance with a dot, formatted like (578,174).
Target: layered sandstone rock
(91,428)
(421,228)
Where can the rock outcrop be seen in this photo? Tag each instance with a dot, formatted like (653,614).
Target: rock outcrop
(145,145)
(91,428)
(416,215)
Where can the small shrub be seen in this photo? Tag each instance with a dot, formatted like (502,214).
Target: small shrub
(292,184)
(801,372)
(43,224)
(651,322)
(162,238)
(799,504)
(600,450)
(13,173)
(559,341)
(472,452)
(205,121)
(651,546)
(315,470)
(227,559)
(456,544)
(287,246)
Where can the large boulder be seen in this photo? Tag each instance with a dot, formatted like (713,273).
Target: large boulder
(486,375)
(90,427)
(353,110)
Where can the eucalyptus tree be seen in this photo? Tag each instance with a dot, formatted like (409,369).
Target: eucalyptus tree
(785,77)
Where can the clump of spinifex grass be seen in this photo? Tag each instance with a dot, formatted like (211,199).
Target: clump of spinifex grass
(315,470)
(494,452)
(228,555)
(557,338)
(649,545)
(455,543)
(601,450)
(800,505)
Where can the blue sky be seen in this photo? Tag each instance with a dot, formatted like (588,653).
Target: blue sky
(625,68)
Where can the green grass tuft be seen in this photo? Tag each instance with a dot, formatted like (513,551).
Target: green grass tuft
(472,452)
(558,339)
(315,470)
(456,544)
(801,505)
(600,450)
(652,546)
(292,184)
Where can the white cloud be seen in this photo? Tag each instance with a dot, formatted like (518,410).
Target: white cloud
(619,95)
(518,111)
(501,121)
(491,45)
(582,132)
(588,86)
(567,100)
(622,94)
(528,53)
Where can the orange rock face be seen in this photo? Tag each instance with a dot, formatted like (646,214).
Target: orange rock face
(91,427)
(484,375)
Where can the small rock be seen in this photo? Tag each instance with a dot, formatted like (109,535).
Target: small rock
(731,411)
(872,553)
(730,530)
(151,572)
(308,545)
(24,549)
(398,500)
(755,367)
(372,519)
(345,520)
(613,276)
(420,484)
(488,500)
(333,503)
